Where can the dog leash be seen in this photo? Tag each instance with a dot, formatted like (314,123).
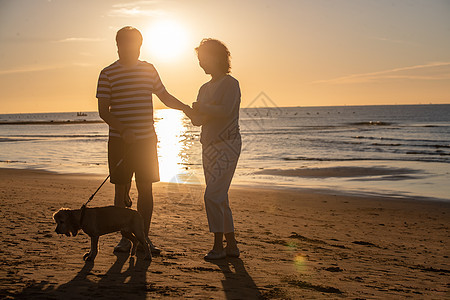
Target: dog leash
(127,203)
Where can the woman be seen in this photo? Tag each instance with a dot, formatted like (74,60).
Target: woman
(217,111)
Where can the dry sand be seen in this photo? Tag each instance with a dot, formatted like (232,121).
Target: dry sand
(295,244)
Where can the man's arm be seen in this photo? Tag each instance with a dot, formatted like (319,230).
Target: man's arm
(172,102)
(111,120)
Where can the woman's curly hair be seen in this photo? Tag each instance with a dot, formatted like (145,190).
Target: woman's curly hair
(218,50)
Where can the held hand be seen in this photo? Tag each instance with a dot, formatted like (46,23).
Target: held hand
(187,110)
(196,118)
(196,106)
(128,136)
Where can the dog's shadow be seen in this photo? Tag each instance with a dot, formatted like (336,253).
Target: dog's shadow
(115,283)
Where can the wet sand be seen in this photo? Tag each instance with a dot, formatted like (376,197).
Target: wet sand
(295,244)
(356,172)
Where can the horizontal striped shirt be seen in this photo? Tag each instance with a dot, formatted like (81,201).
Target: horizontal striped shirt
(130,90)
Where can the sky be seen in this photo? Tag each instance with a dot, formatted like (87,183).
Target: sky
(284,53)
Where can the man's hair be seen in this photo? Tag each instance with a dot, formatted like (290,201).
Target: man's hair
(129,34)
(217,49)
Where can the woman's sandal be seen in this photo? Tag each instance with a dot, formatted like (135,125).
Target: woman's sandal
(213,255)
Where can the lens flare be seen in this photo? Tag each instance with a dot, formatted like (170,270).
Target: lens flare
(300,262)
(292,246)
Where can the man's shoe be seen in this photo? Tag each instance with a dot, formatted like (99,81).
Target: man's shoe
(213,255)
(123,246)
(232,252)
(153,249)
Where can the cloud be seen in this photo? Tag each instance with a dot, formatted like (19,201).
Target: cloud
(27,69)
(77,39)
(431,71)
(135,3)
(135,9)
(40,68)
(392,40)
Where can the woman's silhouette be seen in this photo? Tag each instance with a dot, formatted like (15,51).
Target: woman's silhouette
(217,111)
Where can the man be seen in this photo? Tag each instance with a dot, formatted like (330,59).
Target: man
(124,95)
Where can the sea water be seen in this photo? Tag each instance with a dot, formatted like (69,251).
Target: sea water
(398,150)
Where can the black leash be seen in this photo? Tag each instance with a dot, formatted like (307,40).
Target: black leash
(127,203)
(83,207)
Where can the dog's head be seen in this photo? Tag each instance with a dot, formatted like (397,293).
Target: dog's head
(66,222)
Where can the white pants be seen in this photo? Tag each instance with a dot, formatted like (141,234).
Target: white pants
(219,163)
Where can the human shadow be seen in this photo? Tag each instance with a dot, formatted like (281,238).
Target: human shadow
(238,284)
(87,283)
(114,282)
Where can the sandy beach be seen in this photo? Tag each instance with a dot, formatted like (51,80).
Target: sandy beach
(295,244)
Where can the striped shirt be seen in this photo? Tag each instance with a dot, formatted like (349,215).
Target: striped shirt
(130,90)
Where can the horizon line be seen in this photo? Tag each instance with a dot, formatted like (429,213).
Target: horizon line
(257,107)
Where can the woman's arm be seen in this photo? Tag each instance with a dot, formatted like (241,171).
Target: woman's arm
(197,119)
(230,99)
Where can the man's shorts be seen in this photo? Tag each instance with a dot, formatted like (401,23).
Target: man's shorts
(139,158)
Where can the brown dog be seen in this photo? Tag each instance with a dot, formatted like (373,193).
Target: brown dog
(102,220)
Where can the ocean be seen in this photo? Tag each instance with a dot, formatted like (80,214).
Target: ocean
(397,150)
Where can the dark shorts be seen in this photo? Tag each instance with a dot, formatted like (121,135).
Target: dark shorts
(140,158)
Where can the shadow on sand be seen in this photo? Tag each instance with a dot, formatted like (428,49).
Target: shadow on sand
(114,284)
(238,284)
(131,283)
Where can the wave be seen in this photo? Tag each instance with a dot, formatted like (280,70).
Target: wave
(428,153)
(50,122)
(371,123)
(334,159)
(62,136)
(286,129)
(433,126)
(411,145)
(359,137)
(341,171)
(37,138)
(361,141)
(387,145)
(13,161)
(12,140)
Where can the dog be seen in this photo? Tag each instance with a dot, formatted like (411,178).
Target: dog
(98,221)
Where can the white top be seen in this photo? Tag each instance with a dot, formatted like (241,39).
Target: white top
(220,103)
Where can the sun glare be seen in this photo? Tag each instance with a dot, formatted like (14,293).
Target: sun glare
(169,129)
(166,39)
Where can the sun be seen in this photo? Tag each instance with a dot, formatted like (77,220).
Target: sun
(166,40)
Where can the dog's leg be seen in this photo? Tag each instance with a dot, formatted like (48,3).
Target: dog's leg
(133,240)
(143,240)
(90,256)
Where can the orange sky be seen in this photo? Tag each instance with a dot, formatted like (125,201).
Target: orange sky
(299,53)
